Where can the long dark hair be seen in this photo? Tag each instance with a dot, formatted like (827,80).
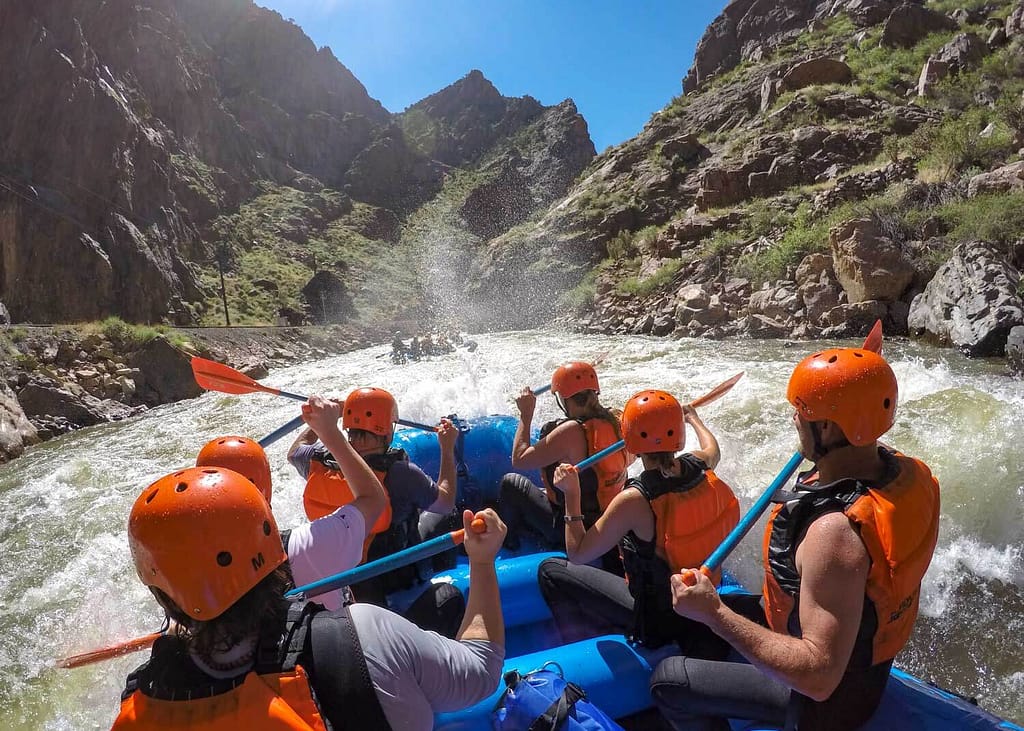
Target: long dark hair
(591,408)
(262,603)
(664,462)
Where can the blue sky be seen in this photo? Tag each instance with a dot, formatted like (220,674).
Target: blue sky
(619,61)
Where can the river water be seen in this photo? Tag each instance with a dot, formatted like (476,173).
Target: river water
(67,583)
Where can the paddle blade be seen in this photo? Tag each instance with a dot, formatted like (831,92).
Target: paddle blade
(215,376)
(717,392)
(108,653)
(873,341)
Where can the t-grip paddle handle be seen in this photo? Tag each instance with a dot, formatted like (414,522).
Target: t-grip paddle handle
(690,576)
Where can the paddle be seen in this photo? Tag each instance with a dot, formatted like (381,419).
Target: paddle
(107,653)
(383,565)
(215,376)
(872,342)
(596,362)
(717,392)
(281,431)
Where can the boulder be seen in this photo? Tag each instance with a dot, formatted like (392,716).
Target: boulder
(1015,21)
(1015,349)
(759,326)
(165,373)
(869,265)
(963,52)
(41,400)
(813,71)
(1001,180)
(851,320)
(721,187)
(932,73)
(693,295)
(866,13)
(16,431)
(327,298)
(908,24)
(972,302)
(5,316)
(777,303)
(812,267)
(769,92)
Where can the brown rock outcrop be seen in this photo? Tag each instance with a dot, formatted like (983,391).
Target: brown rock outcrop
(819,70)
(909,23)
(869,265)
(1001,180)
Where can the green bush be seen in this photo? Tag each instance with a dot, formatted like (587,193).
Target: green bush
(955,145)
(997,218)
(643,287)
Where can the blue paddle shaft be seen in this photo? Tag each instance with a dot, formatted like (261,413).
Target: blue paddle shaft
(595,458)
(747,522)
(281,431)
(375,568)
(416,425)
(541,389)
(403,422)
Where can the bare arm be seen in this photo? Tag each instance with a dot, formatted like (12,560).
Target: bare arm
(308,436)
(447,480)
(833,566)
(709,451)
(566,443)
(483,619)
(628,511)
(322,416)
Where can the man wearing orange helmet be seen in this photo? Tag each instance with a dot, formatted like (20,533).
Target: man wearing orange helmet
(205,542)
(672,516)
(844,555)
(588,428)
(333,542)
(369,416)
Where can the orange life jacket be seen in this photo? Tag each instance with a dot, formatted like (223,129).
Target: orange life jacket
(692,514)
(281,701)
(898,521)
(276,695)
(327,490)
(611,471)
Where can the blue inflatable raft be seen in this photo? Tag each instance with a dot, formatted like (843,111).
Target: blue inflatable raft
(614,673)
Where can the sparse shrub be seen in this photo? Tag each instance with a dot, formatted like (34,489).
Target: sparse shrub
(643,287)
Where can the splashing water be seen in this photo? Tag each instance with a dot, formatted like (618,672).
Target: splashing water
(67,583)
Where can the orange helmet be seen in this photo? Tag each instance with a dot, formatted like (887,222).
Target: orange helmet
(241,454)
(652,421)
(571,378)
(370,409)
(853,387)
(204,536)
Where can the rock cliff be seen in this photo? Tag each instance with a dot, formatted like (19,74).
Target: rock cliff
(145,143)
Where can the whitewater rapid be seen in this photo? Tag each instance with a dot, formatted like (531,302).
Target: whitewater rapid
(67,583)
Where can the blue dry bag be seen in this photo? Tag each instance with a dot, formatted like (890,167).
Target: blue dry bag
(543,701)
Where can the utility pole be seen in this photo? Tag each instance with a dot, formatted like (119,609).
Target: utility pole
(223,254)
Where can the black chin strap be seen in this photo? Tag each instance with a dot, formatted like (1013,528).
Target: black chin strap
(820,450)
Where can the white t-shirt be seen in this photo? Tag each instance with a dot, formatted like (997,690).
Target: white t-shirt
(417,674)
(327,546)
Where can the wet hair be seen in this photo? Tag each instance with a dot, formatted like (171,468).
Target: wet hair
(242,619)
(591,408)
(664,462)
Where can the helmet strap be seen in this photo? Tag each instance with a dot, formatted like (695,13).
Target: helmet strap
(820,449)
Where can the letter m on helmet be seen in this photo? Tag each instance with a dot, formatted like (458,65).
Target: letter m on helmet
(258,561)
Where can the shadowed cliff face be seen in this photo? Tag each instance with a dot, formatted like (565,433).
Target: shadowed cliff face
(133,134)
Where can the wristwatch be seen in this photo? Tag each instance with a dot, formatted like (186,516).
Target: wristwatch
(572,518)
